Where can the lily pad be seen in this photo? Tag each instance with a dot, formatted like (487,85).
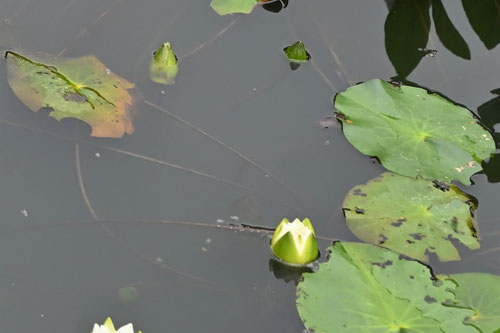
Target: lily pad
(414,132)
(81,88)
(366,288)
(481,292)
(412,216)
(224,7)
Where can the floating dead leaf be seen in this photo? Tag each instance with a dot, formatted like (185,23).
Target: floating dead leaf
(82,88)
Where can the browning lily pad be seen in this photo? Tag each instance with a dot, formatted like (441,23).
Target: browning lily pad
(412,216)
(414,132)
(366,288)
(81,88)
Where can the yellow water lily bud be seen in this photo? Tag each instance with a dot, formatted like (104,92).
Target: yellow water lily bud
(295,243)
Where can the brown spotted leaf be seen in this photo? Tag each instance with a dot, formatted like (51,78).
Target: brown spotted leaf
(412,216)
(82,88)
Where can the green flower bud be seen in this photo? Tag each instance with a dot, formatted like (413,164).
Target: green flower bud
(164,65)
(295,243)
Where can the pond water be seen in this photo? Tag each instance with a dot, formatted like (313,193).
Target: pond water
(237,140)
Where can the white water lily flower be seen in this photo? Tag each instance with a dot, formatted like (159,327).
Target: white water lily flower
(109,327)
(295,243)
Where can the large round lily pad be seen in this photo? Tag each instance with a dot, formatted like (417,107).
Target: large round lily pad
(81,88)
(414,132)
(412,216)
(481,292)
(366,288)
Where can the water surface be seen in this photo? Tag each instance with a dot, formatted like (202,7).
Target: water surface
(61,270)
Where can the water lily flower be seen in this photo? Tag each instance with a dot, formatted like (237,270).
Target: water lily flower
(295,243)
(109,327)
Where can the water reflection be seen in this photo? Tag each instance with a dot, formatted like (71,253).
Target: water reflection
(492,169)
(275,6)
(484,17)
(490,111)
(408,25)
(490,117)
(406,32)
(289,273)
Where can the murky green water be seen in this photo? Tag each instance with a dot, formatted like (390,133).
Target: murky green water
(80,217)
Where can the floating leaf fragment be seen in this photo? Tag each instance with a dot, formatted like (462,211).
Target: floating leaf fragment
(224,7)
(81,88)
(366,288)
(297,52)
(164,65)
(412,216)
(414,132)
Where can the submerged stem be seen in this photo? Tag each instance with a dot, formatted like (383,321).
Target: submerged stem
(113,236)
(224,145)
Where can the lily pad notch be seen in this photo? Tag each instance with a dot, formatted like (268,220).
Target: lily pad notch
(82,88)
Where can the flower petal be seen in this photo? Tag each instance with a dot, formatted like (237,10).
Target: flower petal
(129,328)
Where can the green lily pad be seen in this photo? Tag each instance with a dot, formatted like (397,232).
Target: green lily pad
(81,88)
(414,132)
(412,216)
(481,292)
(224,7)
(366,288)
